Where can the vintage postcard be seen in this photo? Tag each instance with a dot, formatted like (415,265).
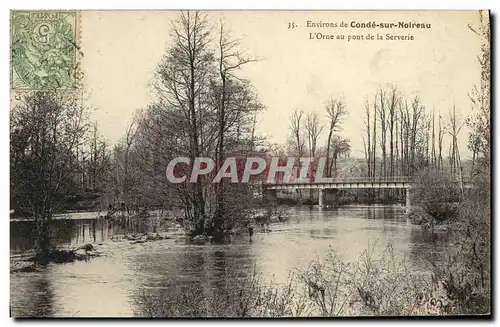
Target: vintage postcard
(250,164)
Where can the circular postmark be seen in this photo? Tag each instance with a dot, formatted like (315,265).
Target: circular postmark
(43,50)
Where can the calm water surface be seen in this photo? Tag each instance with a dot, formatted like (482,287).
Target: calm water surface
(106,286)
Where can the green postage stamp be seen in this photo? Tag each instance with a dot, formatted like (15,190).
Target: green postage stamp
(43,50)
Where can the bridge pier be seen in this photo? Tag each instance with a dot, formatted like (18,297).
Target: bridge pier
(328,190)
(408,200)
(271,195)
(327,197)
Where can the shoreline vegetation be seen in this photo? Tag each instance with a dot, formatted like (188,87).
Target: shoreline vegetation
(373,286)
(459,283)
(201,105)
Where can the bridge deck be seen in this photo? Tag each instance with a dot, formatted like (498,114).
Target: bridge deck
(402,182)
(340,185)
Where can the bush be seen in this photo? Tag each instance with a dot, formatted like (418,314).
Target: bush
(373,286)
(234,297)
(380,287)
(436,194)
(377,285)
(466,272)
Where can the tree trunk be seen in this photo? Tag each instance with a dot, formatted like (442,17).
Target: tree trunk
(42,242)
(328,144)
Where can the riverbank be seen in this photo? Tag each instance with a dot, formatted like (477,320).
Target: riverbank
(27,261)
(379,285)
(74,289)
(151,228)
(30,262)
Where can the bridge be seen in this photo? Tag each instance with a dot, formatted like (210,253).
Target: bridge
(328,188)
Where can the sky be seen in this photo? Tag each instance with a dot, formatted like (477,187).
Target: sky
(122,49)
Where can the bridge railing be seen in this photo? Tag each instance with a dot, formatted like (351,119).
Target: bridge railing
(376,179)
(360,179)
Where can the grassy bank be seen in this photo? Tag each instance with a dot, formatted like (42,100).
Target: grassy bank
(375,285)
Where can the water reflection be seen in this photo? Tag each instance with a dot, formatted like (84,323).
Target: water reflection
(35,293)
(69,232)
(109,286)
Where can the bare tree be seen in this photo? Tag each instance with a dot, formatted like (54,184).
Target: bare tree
(46,128)
(314,129)
(433,141)
(297,132)
(480,120)
(404,135)
(98,164)
(367,140)
(335,112)
(182,81)
(126,179)
(204,109)
(392,104)
(416,118)
(230,60)
(440,144)
(453,128)
(382,115)
(339,146)
(374,137)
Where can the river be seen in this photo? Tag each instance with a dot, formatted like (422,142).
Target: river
(106,286)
